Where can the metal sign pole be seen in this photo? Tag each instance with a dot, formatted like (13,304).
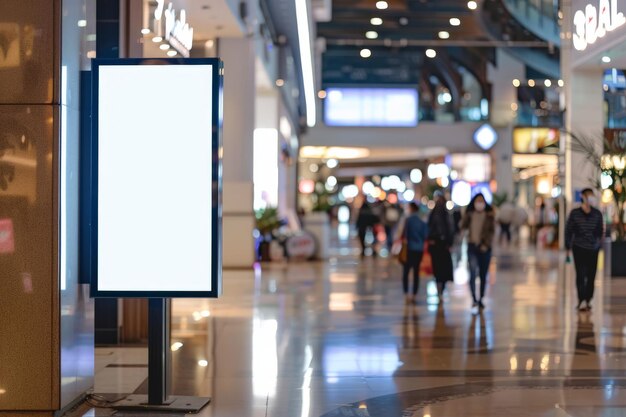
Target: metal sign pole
(158,397)
(158,357)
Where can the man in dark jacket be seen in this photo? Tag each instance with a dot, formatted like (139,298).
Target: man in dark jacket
(583,237)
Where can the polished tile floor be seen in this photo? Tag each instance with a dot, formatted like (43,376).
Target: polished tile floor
(334,338)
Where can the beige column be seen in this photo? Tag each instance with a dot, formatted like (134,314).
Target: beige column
(239,101)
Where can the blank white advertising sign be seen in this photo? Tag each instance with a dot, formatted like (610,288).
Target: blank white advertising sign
(155,178)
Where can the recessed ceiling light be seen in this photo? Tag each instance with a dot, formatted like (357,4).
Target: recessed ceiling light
(321,94)
(164,46)
(171,53)
(606,59)
(431,53)
(404,21)
(366,53)
(547,83)
(371,34)
(455,21)
(145,31)
(280,82)
(376,21)
(561,83)
(516,83)
(382,5)
(472,5)
(157,39)
(82,23)
(444,35)
(531,83)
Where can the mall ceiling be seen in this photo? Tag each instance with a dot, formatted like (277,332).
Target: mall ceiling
(408,29)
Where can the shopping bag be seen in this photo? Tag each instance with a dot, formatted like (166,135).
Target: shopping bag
(426,266)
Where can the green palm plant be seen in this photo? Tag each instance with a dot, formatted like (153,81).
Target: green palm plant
(611,163)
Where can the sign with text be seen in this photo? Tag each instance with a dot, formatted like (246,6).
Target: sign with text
(156,178)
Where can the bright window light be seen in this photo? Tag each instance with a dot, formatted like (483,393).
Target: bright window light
(306,60)
(265,168)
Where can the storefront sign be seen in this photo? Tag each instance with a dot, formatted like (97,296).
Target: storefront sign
(615,140)
(594,23)
(485,137)
(177,31)
(534,140)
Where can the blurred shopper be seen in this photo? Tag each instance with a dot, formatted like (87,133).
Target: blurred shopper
(365,222)
(391,216)
(415,234)
(440,239)
(583,237)
(505,215)
(479,221)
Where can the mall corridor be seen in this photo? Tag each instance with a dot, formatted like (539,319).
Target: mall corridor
(336,339)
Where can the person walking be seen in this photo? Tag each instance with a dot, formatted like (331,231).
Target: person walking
(366,220)
(479,221)
(583,237)
(440,239)
(415,233)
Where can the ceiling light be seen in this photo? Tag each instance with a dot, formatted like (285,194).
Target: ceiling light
(431,53)
(382,5)
(516,83)
(145,31)
(171,53)
(547,83)
(376,21)
(321,94)
(82,23)
(371,34)
(366,53)
(606,59)
(561,83)
(164,46)
(455,21)
(306,60)
(472,5)
(531,83)
(403,21)
(280,82)
(157,39)
(444,35)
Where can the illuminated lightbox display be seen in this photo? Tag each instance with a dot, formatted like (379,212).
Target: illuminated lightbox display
(156,172)
(376,107)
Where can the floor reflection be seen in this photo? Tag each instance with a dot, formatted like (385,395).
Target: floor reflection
(335,338)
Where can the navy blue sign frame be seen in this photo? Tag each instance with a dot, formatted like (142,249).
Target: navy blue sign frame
(216,149)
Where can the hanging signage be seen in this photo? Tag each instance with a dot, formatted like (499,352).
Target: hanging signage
(485,137)
(175,30)
(594,23)
(156,178)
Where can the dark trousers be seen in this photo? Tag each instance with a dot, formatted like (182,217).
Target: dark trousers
(389,232)
(586,263)
(478,266)
(442,262)
(413,261)
(505,229)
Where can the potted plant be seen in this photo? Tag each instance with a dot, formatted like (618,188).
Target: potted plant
(611,163)
(267,220)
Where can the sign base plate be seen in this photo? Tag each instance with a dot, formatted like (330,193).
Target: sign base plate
(175,403)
